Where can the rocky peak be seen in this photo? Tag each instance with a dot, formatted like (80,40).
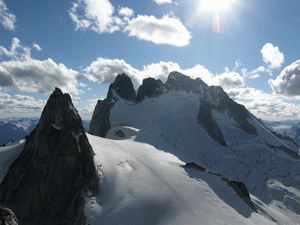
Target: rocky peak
(48,181)
(123,87)
(215,98)
(239,113)
(178,82)
(150,88)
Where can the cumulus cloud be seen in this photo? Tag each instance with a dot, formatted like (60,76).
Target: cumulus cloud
(125,11)
(288,82)
(99,16)
(264,105)
(96,15)
(168,30)
(37,47)
(33,75)
(38,76)
(105,71)
(7,19)
(229,79)
(16,51)
(19,105)
(272,56)
(162,1)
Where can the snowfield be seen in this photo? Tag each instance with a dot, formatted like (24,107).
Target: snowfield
(143,185)
(143,181)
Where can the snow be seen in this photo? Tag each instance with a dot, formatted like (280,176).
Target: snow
(144,185)
(142,180)
(9,154)
(77,136)
(55,126)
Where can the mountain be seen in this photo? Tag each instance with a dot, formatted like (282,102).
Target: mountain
(199,124)
(288,131)
(15,130)
(49,180)
(173,153)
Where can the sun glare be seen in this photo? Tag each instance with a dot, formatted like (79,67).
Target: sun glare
(217,5)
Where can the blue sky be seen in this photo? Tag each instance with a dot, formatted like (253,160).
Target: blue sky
(250,48)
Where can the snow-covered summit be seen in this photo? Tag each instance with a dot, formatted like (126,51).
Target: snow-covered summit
(201,124)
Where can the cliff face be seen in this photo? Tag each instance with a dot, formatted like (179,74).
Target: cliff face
(122,87)
(48,181)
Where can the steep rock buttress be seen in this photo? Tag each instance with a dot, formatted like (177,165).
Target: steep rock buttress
(49,180)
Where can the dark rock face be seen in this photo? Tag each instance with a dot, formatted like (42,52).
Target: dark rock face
(215,98)
(7,217)
(100,123)
(179,82)
(48,181)
(239,187)
(211,98)
(238,112)
(123,87)
(150,88)
(206,120)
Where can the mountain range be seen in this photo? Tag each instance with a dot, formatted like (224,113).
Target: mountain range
(179,152)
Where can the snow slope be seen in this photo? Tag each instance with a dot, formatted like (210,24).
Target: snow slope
(143,185)
(169,123)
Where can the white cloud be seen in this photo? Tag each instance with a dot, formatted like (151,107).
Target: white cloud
(39,76)
(17,51)
(229,79)
(272,56)
(7,19)
(162,1)
(125,11)
(96,15)
(288,82)
(20,105)
(33,75)
(265,106)
(105,71)
(254,73)
(168,30)
(37,47)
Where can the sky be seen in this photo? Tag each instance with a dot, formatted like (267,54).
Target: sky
(250,48)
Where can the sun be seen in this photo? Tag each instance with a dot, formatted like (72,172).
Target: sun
(217,5)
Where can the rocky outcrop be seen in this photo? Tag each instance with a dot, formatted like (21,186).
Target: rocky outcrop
(100,122)
(222,102)
(179,82)
(212,98)
(7,217)
(206,120)
(239,187)
(50,178)
(215,98)
(150,88)
(122,88)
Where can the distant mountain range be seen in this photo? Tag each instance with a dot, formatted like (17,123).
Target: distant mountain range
(15,129)
(289,128)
